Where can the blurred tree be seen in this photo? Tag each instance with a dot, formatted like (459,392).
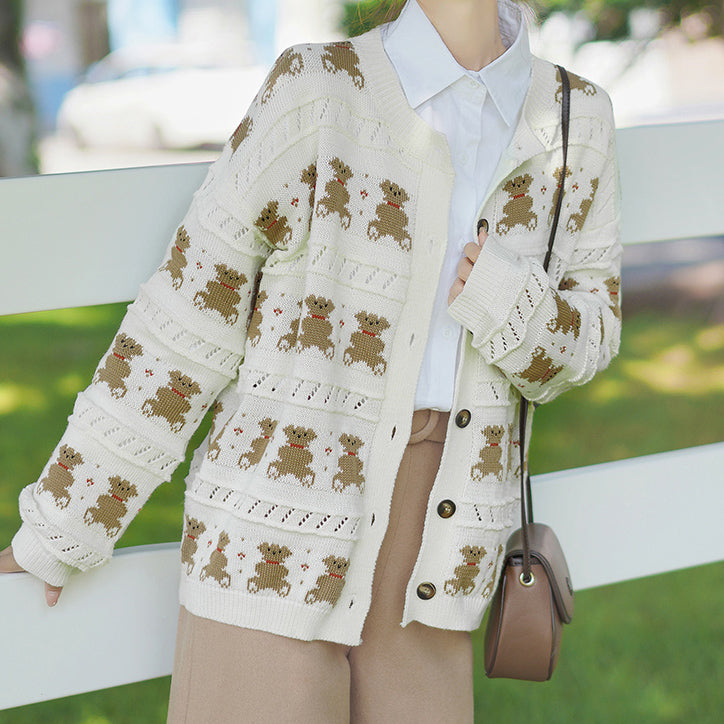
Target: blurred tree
(17,116)
(610,17)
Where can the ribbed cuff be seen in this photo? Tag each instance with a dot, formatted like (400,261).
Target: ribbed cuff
(30,553)
(491,291)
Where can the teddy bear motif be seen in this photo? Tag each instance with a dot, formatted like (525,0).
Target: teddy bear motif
(566,284)
(294,457)
(557,174)
(111,507)
(316,327)
(578,218)
(194,528)
(567,319)
(259,444)
(613,285)
(60,477)
(341,57)
(253,331)
(491,454)
(216,567)
(336,196)
(288,341)
(576,82)
(177,261)
(171,400)
(309,177)
(463,580)
(391,219)
(289,63)
(366,345)
(212,452)
(490,585)
(273,226)
(518,210)
(330,584)
(271,573)
(241,132)
(222,293)
(541,368)
(115,367)
(349,466)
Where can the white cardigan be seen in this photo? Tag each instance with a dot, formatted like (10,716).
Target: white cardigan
(333,195)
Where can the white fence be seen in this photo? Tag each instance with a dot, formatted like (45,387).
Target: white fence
(91,238)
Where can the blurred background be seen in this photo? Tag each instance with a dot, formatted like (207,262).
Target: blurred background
(90,84)
(95,84)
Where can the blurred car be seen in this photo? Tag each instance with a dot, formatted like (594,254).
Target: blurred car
(158,97)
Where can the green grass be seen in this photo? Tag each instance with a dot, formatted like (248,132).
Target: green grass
(650,650)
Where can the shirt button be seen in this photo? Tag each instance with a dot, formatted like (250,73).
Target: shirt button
(462,418)
(446,509)
(447,332)
(425,591)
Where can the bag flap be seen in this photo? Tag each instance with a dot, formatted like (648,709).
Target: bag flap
(545,548)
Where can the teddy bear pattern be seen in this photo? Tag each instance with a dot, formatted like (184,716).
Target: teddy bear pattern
(271,573)
(464,575)
(349,466)
(112,506)
(390,217)
(116,366)
(329,585)
(189,545)
(218,562)
(177,260)
(294,457)
(490,455)
(172,400)
(59,477)
(241,132)
(567,319)
(341,57)
(316,329)
(222,293)
(518,210)
(336,196)
(578,85)
(259,444)
(273,225)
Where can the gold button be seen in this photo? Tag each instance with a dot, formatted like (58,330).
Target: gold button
(425,591)
(446,509)
(462,418)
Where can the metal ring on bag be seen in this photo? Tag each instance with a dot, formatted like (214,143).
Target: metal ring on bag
(530,582)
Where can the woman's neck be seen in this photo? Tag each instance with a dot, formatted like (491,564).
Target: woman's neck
(469,29)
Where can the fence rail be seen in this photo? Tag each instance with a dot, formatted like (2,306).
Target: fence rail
(90,238)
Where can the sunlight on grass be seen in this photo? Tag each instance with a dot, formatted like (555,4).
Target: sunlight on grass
(15,397)
(88,317)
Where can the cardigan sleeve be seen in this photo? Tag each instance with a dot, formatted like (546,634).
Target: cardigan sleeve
(180,343)
(546,340)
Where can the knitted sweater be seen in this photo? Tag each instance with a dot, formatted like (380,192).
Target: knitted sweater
(338,192)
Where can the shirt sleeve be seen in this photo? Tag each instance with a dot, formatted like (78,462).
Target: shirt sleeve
(180,343)
(546,340)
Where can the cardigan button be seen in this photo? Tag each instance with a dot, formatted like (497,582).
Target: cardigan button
(425,591)
(446,509)
(462,418)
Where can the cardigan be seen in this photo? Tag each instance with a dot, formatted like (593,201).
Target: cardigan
(295,298)
(477,112)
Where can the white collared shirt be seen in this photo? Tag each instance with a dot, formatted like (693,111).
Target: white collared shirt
(478,113)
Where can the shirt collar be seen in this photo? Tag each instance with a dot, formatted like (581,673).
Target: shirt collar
(425,66)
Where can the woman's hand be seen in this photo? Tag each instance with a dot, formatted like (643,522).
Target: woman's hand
(8,564)
(472,252)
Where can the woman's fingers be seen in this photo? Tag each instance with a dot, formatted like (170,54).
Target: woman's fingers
(52,594)
(471,253)
(8,564)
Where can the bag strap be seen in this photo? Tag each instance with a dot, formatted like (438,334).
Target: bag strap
(526,498)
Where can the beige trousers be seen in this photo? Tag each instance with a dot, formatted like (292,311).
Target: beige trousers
(225,674)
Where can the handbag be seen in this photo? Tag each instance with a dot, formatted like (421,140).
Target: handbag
(534,597)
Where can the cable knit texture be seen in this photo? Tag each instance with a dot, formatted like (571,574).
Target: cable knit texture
(295,298)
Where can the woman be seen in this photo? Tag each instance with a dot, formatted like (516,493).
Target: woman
(345,518)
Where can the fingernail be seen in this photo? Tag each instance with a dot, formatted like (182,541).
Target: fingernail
(52,597)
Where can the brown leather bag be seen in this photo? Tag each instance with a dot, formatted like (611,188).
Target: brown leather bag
(535,596)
